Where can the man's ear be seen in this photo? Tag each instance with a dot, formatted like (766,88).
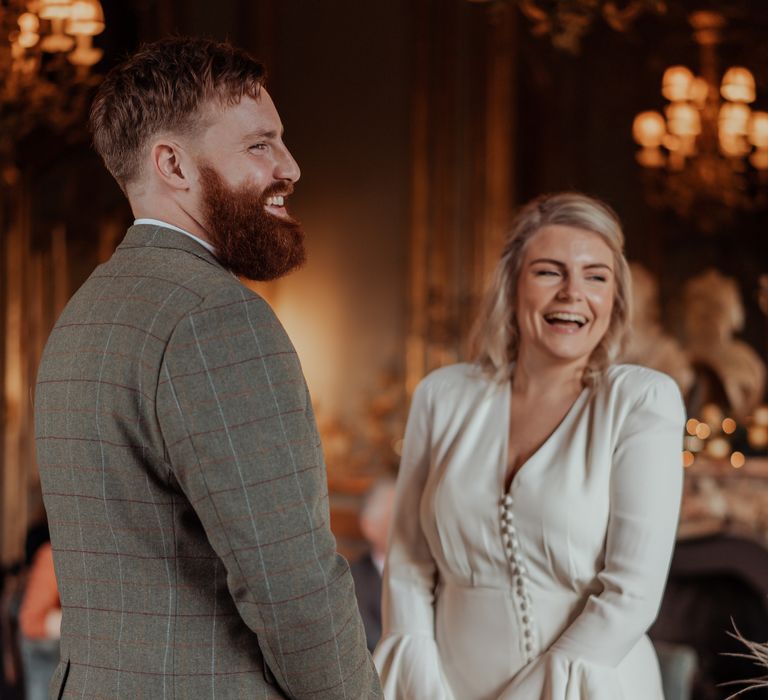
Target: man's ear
(172,164)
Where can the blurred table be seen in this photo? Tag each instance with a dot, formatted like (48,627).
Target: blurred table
(718,498)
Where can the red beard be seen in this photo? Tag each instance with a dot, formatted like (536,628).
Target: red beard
(248,240)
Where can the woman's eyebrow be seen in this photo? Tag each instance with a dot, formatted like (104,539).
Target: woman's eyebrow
(552,261)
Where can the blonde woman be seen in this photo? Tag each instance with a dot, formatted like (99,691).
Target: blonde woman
(539,489)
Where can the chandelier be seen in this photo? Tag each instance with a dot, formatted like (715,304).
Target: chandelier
(567,21)
(46,55)
(707,155)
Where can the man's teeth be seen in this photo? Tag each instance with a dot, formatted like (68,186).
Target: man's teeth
(568,317)
(275,201)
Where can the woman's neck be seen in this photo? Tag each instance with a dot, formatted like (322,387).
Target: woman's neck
(540,379)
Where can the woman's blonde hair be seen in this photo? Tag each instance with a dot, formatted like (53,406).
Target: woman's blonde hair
(496,337)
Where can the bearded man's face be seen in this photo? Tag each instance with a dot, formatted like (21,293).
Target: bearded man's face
(245,174)
(249,240)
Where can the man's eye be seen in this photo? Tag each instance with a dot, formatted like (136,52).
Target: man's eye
(258,147)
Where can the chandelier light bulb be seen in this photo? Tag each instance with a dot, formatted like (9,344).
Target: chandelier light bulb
(698,92)
(676,83)
(758,129)
(733,119)
(58,42)
(683,119)
(27,39)
(649,129)
(711,144)
(87,18)
(29,23)
(733,145)
(738,85)
(55,9)
(85,54)
(651,157)
(759,159)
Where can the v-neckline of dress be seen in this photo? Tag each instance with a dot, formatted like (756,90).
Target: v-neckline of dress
(557,429)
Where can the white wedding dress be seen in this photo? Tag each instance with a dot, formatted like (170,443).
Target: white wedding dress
(545,592)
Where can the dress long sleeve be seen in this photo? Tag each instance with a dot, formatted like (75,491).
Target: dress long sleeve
(407,656)
(645,491)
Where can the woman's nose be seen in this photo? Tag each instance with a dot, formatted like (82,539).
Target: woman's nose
(571,289)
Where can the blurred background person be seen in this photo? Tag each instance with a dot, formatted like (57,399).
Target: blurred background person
(40,625)
(375,519)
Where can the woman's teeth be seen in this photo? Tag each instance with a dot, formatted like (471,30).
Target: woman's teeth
(563,317)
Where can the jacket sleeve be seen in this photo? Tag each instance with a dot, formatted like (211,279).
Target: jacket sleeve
(645,493)
(407,655)
(242,443)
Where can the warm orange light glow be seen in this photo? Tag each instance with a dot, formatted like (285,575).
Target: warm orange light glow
(55,9)
(29,23)
(648,129)
(683,119)
(650,157)
(703,431)
(712,415)
(758,129)
(688,458)
(28,39)
(737,460)
(692,443)
(85,54)
(759,159)
(729,426)
(718,448)
(734,146)
(57,42)
(698,92)
(760,416)
(733,119)
(757,436)
(691,425)
(738,85)
(87,18)
(676,83)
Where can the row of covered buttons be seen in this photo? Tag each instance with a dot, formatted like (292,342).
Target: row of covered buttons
(519,572)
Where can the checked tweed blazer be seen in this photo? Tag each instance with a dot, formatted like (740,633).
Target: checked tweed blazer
(186,492)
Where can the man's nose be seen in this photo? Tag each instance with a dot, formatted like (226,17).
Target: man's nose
(287,168)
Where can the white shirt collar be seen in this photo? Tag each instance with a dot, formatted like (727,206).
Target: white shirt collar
(157,222)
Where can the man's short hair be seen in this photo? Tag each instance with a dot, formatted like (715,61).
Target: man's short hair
(164,88)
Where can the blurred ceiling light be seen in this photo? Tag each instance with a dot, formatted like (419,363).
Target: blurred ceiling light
(47,62)
(703,148)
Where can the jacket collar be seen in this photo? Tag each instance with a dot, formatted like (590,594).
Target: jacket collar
(151,236)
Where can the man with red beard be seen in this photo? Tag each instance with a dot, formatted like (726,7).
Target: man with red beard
(180,462)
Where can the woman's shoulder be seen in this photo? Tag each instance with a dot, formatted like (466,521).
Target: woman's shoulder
(626,375)
(460,378)
(634,383)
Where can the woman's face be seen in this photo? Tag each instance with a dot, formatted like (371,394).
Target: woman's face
(565,294)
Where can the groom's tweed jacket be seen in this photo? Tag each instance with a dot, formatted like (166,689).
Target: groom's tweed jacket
(186,492)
